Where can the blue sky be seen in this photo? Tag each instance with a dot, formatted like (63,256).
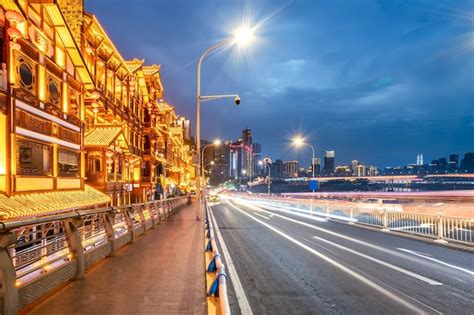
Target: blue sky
(376,81)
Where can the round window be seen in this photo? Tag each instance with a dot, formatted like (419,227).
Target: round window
(53,91)
(26,76)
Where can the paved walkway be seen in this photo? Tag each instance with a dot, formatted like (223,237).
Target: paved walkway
(161,273)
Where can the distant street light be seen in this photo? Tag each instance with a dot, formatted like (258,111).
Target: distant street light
(299,142)
(215,143)
(242,36)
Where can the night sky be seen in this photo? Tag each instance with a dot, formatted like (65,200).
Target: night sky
(376,81)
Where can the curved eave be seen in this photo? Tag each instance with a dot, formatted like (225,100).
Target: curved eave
(70,45)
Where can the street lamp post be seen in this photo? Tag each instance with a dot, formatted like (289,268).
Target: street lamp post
(269,178)
(299,142)
(268,162)
(240,37)
(215,143)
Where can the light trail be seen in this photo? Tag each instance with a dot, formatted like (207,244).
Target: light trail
(338,265)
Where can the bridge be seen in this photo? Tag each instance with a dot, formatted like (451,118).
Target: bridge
(283,255)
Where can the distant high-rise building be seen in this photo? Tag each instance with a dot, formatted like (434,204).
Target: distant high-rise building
(241,156)
(468,163)
(373,171)
(257,156)
(290,168)
(453,163)
(247,136)
(329,163)
(361,170)
(442,165)
(419,159)
(354,165)
(277,170)
(317,167)
(220,171)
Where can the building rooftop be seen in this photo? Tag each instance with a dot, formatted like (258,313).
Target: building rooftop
(102,136)
(37,204)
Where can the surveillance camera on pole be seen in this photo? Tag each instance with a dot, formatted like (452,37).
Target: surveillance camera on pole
(237,100)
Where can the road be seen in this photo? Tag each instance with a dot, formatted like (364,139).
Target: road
(288,264)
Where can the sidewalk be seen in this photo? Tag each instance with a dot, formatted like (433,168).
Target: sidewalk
(161,273)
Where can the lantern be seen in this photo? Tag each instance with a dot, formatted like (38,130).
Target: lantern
(13,17)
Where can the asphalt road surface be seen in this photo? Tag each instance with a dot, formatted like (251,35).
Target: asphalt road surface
(281,263)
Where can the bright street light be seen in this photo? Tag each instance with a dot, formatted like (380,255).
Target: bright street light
(242,36)
(298,141)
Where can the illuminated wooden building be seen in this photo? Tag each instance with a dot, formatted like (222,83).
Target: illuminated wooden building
(113,117)
(77,121)
(42,83)
(167,155)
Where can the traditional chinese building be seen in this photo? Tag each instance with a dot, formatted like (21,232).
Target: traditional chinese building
(43,81)
(79,125)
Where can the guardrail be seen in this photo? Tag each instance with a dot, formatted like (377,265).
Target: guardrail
(441,228)
(38,254)
(217,284)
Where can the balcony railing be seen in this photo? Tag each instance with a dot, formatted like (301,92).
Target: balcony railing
(46,251)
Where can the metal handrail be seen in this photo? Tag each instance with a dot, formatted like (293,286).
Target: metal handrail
(441,228)
(6,226)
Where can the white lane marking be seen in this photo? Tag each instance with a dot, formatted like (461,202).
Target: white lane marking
(381,262)
(239,290)
(262,216)
(437,261)
(341,267)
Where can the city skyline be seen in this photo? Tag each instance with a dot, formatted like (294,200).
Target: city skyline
(395,85)
(304,158)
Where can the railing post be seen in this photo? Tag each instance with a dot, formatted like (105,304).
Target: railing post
(142,217)
(439,234)
(108,219)
(351,215)
(152,208)
(385,220)
(8,290)
(75,245)
(128,218)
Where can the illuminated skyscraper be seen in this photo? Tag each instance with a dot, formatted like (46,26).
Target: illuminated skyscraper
(329,163)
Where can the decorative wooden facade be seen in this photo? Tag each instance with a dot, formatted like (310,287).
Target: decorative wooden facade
(75,115)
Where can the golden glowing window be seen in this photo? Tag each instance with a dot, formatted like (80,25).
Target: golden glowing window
(68,163)
(26,75)
(33,158)
(54,92)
